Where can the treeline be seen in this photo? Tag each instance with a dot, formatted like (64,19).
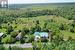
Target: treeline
(11,14)
(66,12)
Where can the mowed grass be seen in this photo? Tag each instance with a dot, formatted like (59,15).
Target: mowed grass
(42,19)
(29,22)
(68,34)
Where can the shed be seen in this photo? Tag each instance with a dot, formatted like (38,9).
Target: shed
(19,37)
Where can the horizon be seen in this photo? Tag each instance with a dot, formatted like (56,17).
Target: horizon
(46,3)
(39,1)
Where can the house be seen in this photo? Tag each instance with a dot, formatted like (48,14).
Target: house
(39,35)
(1,34)
(19,36)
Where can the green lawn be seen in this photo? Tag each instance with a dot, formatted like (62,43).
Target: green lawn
(67,34)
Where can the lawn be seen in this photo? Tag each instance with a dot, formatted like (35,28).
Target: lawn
(67,34)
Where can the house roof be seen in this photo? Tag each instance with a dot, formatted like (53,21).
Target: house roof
(42,34)
(1,34)
(36,34)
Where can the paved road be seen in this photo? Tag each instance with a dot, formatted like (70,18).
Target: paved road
(25,45)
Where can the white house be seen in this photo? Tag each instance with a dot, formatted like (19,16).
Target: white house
(39,35)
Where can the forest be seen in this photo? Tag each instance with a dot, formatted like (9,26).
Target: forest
(60,21)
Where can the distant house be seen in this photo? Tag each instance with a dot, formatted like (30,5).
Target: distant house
(39,35)
(19,36)
(1,34)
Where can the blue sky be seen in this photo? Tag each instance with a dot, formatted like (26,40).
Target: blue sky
(38,1)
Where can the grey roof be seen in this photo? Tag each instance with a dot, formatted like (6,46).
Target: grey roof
(25,45)
(18,37)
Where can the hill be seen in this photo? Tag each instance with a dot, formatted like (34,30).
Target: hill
(53,23)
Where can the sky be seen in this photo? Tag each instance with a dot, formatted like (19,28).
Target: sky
(37,1)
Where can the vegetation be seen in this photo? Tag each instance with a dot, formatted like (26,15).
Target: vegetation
(59,20)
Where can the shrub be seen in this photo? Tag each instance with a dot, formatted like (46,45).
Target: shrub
(14,34)
(72,30)
(9,29)
(2,47)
